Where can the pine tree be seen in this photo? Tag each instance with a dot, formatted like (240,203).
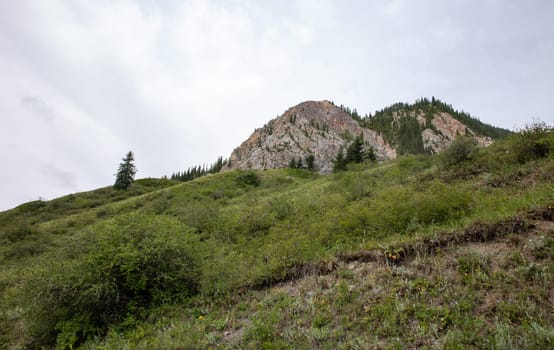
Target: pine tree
(370,154)
(355,152)
(310,159)
(340,162)
(126,172)
(292,163)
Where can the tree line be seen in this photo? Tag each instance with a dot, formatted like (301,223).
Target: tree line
(356,152)
(199,171)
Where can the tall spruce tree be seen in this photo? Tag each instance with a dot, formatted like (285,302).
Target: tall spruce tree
(310,162)
(126,172)
(340,162)
(355,151)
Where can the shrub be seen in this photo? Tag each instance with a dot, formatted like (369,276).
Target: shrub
(248,178)
(282,206)
(461,150)
(125,265)
(533,142)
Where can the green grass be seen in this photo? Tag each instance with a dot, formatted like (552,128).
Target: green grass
(473,296)
(236,235)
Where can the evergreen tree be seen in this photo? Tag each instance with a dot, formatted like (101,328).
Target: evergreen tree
(340,162)
(292,163)
(370,154)
(310,159)
(355,151)
(126,172)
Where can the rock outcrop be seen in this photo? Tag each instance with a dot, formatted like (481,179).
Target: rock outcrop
(317,128)
(446,129)
(321,129)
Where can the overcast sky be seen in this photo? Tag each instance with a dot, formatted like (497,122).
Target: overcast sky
(182,82)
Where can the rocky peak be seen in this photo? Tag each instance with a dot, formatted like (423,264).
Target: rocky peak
(322,129)
(317,128)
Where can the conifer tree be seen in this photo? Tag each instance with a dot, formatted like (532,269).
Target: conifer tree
(126,172)
(355,152)
(340,162)
(310,159)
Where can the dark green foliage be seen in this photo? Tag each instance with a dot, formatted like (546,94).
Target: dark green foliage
(404,131)
(126,172)
(120,268)
(461,150)
(340,161)
(248,178)
(199,171)
(409,136)
(310,162)
(534,141)
(355,151)
(351,112)
(436,105)
(296,163)
(293,164)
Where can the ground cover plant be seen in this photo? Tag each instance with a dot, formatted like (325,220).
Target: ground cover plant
(292,259)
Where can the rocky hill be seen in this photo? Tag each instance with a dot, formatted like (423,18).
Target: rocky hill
(321,129)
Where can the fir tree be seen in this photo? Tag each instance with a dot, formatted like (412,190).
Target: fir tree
(355,152)
(126,172)
(340,162)
(310,159)
(292,163)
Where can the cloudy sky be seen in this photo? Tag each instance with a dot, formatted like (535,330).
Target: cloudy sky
(183,82)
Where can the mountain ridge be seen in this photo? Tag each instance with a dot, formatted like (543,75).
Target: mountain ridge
(322,130)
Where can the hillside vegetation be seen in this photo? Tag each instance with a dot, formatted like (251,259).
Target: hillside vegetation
(447,251)
(404,132)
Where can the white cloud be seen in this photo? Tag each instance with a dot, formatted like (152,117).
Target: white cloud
(182,82)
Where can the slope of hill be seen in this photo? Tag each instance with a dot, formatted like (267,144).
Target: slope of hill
(437,251)
(321,129)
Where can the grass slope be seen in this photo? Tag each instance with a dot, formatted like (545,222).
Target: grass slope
(209,263)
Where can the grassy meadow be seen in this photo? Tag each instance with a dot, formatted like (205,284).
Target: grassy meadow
(448,251)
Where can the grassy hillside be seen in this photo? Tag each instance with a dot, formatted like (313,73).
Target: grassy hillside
(379,254)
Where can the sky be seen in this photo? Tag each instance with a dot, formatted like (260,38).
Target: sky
(180,83)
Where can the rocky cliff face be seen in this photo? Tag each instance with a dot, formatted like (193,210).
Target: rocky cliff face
(321,129)
(317,128)
(444,130)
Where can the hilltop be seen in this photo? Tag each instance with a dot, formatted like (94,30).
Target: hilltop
(321,129)
(441,251)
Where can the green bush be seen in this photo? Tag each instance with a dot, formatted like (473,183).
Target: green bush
(535,141)
(125,266)
(282,206)
(248,178)
(461,150)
